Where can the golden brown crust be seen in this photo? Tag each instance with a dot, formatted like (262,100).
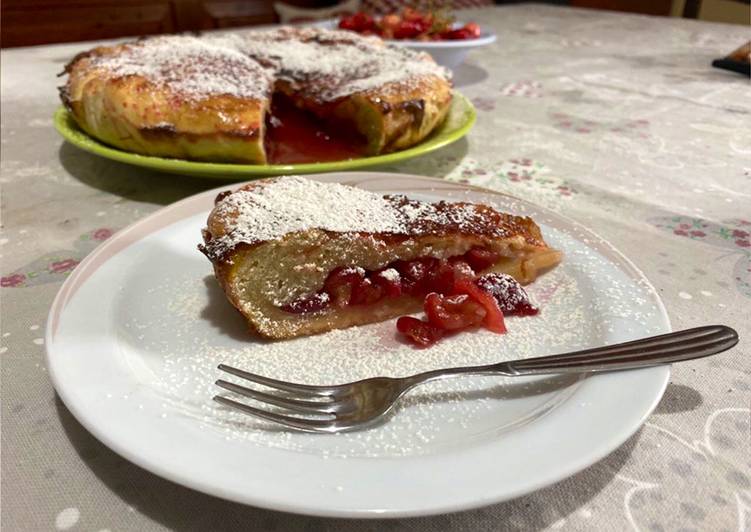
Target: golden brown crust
(135,113)
(138,115)
(446,220)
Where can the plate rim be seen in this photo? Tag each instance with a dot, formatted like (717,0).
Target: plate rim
(63,123)
(571,468)
(486,37)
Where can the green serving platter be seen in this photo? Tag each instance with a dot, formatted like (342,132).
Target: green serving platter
(461,117)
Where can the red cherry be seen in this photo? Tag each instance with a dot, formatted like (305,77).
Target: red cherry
(364,21)
(453,312)
(341,282)
(493,317)
(365,293)
(447,273)
(511,297)
(472,29)
(456,35)
(408,30)
(389,280)
(462,270)
(442,278)
(418,332)
(360,22)
(480,258)
(415,274)
(347,23)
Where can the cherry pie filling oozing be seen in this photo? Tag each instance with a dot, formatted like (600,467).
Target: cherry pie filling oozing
(455,298)
(296,136)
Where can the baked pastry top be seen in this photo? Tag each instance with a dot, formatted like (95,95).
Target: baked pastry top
(278,245)
(207,98)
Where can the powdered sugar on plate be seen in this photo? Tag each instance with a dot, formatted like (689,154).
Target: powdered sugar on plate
(182,327)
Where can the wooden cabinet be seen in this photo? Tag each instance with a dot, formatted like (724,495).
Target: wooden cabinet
(26,22)
(29,22)
(226,14)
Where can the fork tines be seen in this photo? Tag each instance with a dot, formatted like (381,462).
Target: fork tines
(295,400)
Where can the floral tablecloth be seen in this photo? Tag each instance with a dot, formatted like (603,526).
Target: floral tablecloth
(617,121)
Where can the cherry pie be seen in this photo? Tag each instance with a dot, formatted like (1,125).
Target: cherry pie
(286,95)
(298,257)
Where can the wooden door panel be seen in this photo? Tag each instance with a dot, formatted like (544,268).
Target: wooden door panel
(32,22)
(29,22)
(226,14)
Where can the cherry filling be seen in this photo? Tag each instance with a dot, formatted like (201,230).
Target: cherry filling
(472,302)
(454,298)
(296,136)
(356,286)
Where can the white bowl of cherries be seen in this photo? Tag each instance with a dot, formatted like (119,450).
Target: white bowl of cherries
(447,40)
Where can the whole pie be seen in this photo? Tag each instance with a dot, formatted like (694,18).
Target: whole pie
(298,256)
(233,98)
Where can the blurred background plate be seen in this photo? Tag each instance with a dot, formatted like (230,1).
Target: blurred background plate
(450,54)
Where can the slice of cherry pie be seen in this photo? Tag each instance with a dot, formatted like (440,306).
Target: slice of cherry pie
(297,257)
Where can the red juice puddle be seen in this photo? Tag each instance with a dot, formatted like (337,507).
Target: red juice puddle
(295,136)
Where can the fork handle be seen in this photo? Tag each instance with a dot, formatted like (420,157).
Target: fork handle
(656,350)
(653,351)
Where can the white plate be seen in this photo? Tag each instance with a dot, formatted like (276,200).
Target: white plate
(450,54)
(136,332)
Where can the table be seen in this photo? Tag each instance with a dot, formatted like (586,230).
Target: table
(614,120)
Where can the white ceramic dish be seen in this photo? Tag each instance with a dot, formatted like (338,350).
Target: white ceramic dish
(450,54)
(136,332)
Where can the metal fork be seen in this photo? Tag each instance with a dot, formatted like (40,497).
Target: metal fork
(359,404)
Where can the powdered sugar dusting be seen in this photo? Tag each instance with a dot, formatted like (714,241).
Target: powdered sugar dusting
(292,204)
(190,66)
(322,64)
(506,290)
(273,209)
(390,274)
(331,64)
